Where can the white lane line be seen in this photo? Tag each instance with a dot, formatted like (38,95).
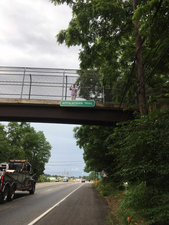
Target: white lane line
(45,213)
(48,190)
(39,192)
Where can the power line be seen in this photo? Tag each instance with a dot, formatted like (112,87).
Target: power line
(143,40)
(163,54)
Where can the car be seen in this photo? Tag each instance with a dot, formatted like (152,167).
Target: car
(83,180)
(65,179)
(57,180)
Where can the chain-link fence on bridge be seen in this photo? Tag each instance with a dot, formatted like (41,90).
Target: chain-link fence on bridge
(51,84)
(40,83)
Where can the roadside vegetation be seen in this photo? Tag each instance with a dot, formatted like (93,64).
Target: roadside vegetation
(136,154)
(43,178)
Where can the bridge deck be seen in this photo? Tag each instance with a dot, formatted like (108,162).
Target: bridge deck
(50,111)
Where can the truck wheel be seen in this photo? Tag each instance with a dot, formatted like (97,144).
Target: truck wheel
(32,191)
(4,196)
(11,193)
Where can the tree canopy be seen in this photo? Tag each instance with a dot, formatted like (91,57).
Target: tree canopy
(105,31)
(21,141)
(91,139)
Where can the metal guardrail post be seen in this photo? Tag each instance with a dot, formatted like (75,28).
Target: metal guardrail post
(23,82)
(63,84)
(30,86)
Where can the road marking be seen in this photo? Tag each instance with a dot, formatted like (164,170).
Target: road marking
(49,190)
(45,213)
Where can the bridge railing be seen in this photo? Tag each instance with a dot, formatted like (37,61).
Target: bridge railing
(35,83)
(51,84)
(40,83)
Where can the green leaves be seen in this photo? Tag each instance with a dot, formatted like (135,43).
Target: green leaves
(137,152)
(21,141)
(91,139)
(4,145)
(59,2)
(105,31)
(143,146)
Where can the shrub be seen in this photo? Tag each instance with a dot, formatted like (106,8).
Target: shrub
(144,202)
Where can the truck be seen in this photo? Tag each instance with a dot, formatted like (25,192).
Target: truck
(15,175)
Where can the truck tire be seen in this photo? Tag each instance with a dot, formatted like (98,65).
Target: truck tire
(11,193)
(32,191)
(4,195)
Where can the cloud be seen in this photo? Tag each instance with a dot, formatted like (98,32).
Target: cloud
(75,169)
(29,28)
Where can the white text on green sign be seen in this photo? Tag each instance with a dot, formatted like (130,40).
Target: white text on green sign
(78,103)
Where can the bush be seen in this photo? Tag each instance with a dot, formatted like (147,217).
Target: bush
(43,178)
(105,187)
(144,202)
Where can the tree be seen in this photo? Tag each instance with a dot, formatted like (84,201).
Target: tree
(26,143)
(4,145)
(15,135)
(96,154)
(92,86)
(106,33)
(92,175)
(37,150)
(142,149)
(89,86)
(142,154)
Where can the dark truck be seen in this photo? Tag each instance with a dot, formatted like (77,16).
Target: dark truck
(15,176)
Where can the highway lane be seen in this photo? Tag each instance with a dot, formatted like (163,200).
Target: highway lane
(83,207)
(25,208)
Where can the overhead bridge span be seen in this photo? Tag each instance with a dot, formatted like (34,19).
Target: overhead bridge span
(34,94)
(50,111)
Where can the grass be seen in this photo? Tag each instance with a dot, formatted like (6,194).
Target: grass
(116,216)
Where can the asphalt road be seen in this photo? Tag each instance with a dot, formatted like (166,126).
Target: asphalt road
(56,203)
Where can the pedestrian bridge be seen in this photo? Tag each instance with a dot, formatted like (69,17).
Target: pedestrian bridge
(50,111)
(34,95)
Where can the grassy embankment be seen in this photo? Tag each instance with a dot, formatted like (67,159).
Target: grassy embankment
(118,214)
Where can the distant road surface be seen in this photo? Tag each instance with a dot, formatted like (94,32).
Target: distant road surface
(56,203)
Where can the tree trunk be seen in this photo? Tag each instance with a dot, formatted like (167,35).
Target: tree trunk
(140,73)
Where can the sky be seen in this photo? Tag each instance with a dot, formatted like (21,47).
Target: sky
(28,29)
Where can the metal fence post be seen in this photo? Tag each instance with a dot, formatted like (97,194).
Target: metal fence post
(103,96)
(23,82)
(66,89)
(63,84)
(30,86)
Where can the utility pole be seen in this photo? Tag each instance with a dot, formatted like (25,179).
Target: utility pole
(140,74)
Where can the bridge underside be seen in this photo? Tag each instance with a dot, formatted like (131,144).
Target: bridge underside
(51,112)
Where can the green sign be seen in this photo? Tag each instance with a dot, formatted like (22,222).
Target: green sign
(77,103)
(99,176)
